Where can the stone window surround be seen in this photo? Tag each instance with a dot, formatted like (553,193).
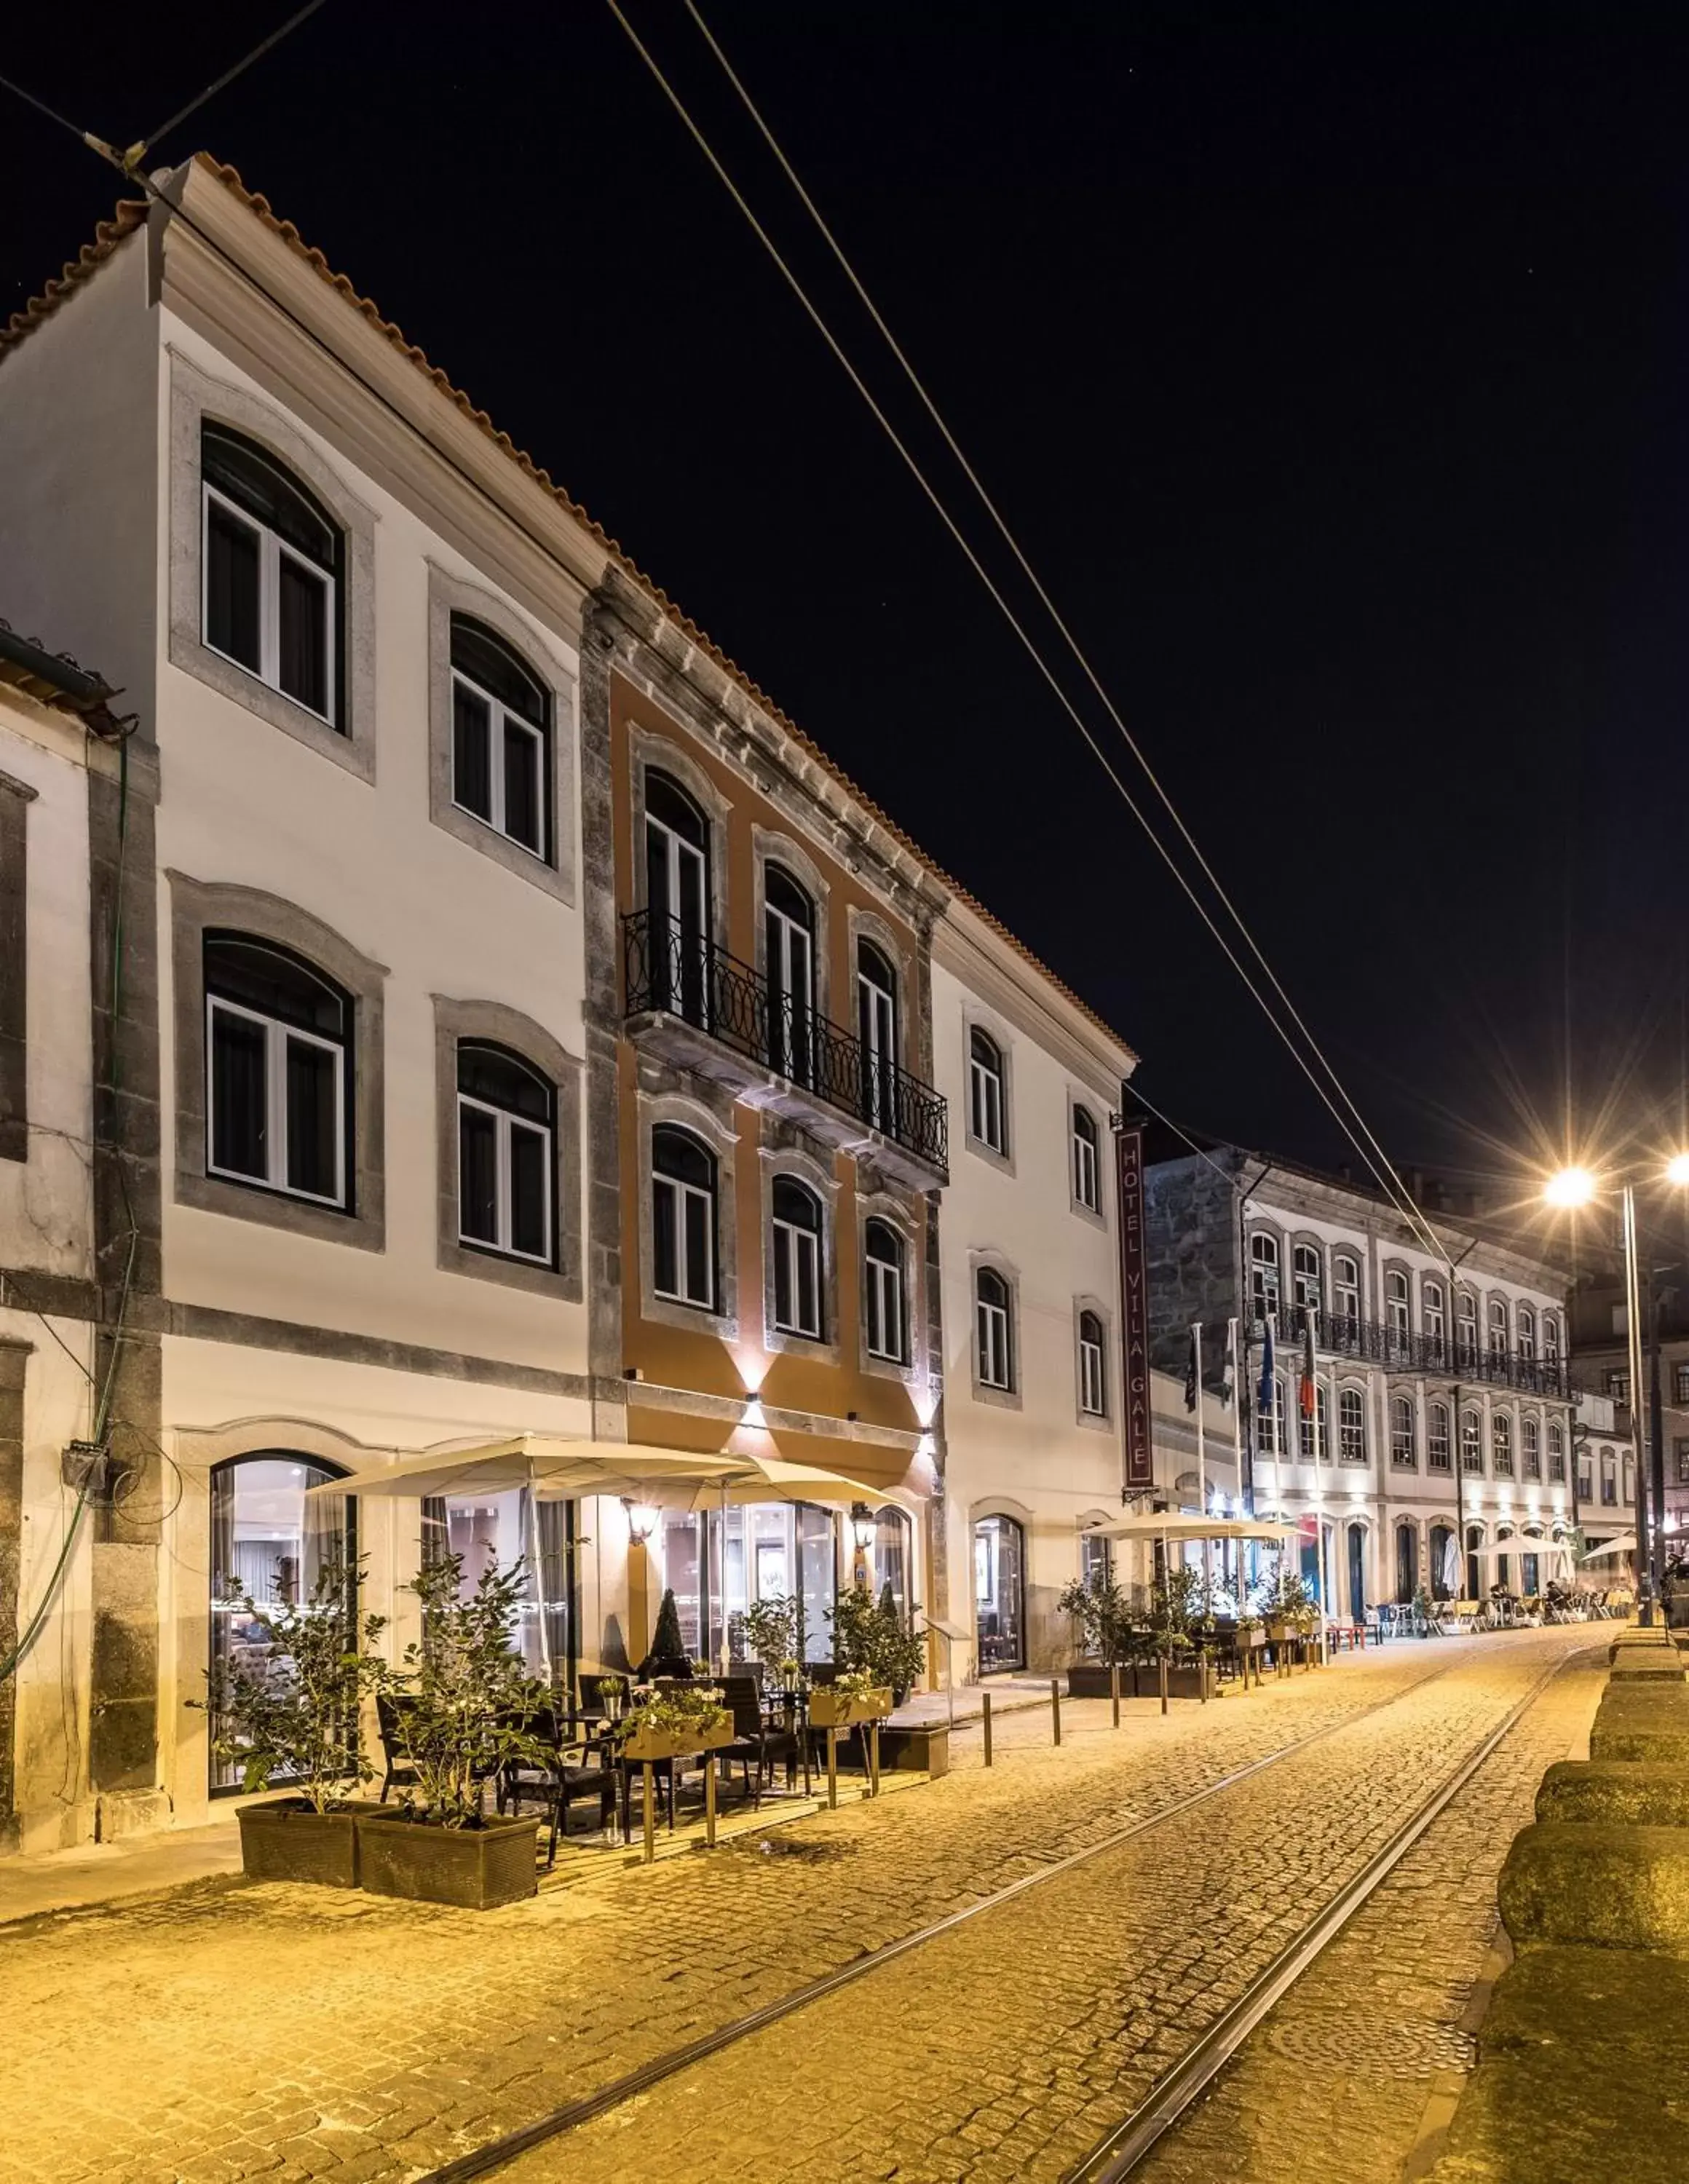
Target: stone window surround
(1357,1258)
(1097,1215)
(769,845)
(448,595)
(15,800)
(1095,1421)
(977,1018)
(1398,1267)
(494,1023)
(1257,1227)
(1004,1399)
(1291,1241)
(1393,1395)
(197,398)
(862,925)
(1433,1404)
(882,1205)
(687,1112)
(198,905)
(777,1160)
(1331,1441)
(649,748)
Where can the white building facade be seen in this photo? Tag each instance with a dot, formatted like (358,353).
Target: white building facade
(1440,1454)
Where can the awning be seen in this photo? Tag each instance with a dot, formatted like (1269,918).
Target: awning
(768,1479)
(557,1469)
(1174,1525)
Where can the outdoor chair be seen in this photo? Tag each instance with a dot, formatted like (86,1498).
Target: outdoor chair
(399,1767)
(740,1696)
(556,1782)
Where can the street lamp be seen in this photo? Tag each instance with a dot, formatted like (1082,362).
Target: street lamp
(1575,1187)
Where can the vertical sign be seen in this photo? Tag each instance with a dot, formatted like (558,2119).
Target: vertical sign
(1134,1314)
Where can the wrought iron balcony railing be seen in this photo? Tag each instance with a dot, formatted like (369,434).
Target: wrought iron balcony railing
(1341,1334)
(668,970)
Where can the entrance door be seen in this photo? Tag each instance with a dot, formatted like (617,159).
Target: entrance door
(1406,1563)
(677,897)
(273,1545)
(999,1594)
(1357,1577)
(877,1028)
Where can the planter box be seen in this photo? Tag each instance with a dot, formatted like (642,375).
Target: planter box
(827,1709)
(657,1744)
(917,1751)
(473,1868)
(290,1842)
(1090,1679)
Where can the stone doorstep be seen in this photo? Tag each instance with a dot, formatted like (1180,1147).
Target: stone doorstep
(1579,2064)
(1666,1670)
(1614,1793)
(1616,1886)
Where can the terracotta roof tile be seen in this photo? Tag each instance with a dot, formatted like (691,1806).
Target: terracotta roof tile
(129,216)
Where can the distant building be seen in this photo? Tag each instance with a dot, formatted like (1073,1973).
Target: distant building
(1444,1405)
(1600,1352)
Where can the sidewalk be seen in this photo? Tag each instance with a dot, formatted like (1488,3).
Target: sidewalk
(1009,1694)
(110,1873)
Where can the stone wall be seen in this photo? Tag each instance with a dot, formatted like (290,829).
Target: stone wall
(1191,1222)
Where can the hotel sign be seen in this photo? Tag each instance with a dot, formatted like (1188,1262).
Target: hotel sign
(1134,1314)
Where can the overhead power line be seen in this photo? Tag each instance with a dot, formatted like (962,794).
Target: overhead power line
(1371,1153)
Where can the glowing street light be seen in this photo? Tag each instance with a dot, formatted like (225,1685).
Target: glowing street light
(1677,1169)
(1573,1187)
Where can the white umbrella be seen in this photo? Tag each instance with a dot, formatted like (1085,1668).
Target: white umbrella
(556,1469)
(1173,1526)
(1625,1543)
(741,1480)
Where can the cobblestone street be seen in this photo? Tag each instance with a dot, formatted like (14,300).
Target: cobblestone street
(293,2034)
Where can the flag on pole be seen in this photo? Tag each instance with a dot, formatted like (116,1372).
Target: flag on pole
(1229,1377)
(1309,1400)
(1191,1367)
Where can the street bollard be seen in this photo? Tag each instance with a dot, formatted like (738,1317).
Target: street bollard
(1163,1682)
(831,1771)
(1056,1706)
(710,1800)
(985,1724)
(650,1817)
(873,1759)
(1203,1680)
(1114,1691)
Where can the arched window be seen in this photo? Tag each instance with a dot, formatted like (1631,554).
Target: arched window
(1311,1447)
(1524,1339)
(1557,1453)
(788,931)
(1501,1445)
(1610,1479)
(1352,1426)
(501,736)
(887,1322)
(1530,1449)
(1406,1563)
(277,1046)
(677,900)
(1630,1479)
(999,1593)
(1346,1287)
(1398,1305)
(273,569)
(893,1560)
(992,1330)
(986,1120)
(1307,1287)
(683,1219)
(1471,1445)
(1087,1167)
(796,1247)
(1474,1582)
(1439,1454)
(1551,1341)
(1357,1535)
(506,1117)
(1466,1326)
(1403,1452)
(1498,1327)
(1441,1575)
(1263,1273)
(273,1545)
(877,1029)
(1431,1310)
(1093,1369)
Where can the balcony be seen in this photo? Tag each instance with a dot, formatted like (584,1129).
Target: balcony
(1342,1335)
(699,1006)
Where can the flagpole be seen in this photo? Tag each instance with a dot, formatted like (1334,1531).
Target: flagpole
(1234,1396)
(1201,1457)
(1318,1493)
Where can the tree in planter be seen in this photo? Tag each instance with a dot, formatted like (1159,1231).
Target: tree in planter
(668,1655)
(294,1713)
(770,1629)
(1177,1601)
(470,1695)
(865,1637)
(1100,1612)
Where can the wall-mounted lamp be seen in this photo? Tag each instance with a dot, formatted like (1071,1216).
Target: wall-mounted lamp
(642,1519)
(753,1412)
(861,1526)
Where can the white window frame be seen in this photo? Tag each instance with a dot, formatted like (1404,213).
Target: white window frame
(1266,1292)
(1495,1328)
(1307,1284)
(277,1035)
(1087,1191)
(499,715)
(884,1284)
(1556,1452)
(985,1095)
(1473,1445)
(1524,1336)
(1352,1426)
(1530,1449)
(994,1357)
(1404,1449)
(270,549)
(1093,1373)
(1398,1305)
(790,971)
(504,1124)
(1445,1440)
(792,1245)
(1431,1314)
(679,1193)
(1345,1295)
(1502,1444)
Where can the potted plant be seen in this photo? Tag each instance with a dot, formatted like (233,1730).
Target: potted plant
(613,1694)
(676,1723)
(289,1709)
(853,1697)
(770,1629)
(1103,1628)
(668,1656)
(1176,1606)
(468,1713)
(872,1636)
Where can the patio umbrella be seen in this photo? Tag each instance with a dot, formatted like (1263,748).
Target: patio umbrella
(1625,1543)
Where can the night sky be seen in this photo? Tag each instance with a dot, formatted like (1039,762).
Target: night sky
(1331,363)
